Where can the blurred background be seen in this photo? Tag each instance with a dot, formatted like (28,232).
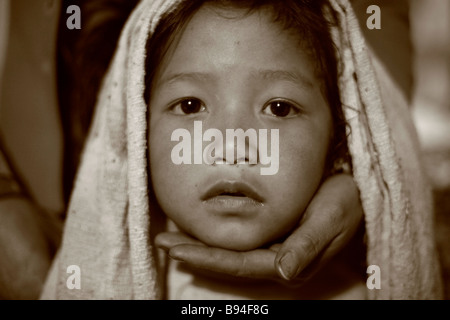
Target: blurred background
(430,24)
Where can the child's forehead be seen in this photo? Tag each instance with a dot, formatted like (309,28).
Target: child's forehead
(232,21)
(212,41)
(240,19)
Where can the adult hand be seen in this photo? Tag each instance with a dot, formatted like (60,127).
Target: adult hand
(329,222)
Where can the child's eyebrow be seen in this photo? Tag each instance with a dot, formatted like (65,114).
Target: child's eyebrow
(284,75)
(185,76)
(271,75)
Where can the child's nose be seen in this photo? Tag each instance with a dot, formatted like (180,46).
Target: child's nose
(238,147)
(240,140)
(237,122)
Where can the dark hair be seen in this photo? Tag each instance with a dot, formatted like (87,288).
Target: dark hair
(305,17)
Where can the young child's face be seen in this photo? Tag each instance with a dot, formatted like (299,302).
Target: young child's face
(249,73)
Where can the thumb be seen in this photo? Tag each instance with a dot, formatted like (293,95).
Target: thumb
(324,229)
(303,251)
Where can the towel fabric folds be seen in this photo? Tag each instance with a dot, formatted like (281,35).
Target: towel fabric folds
(107,232)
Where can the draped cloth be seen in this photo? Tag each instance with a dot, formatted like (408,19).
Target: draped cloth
(108,228)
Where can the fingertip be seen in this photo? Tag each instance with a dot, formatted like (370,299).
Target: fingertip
(160,242)
(182,252)
(175,256)
(286,266)
(175,253)
(281,271)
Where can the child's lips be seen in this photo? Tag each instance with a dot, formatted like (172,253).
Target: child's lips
(232,197)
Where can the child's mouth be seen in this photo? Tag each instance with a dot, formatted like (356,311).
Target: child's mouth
(231,197)
(232,194)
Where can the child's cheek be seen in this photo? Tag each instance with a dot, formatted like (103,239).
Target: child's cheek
(159,143)
(303,151)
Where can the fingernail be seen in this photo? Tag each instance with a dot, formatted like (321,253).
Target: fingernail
(285,266)
(176,258)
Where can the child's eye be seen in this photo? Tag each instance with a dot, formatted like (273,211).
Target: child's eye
(280,108)
(187,106)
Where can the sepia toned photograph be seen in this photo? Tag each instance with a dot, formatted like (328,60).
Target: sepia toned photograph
(224,150)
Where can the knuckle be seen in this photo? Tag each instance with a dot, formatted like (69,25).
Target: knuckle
(310,244)
(337,217)
(335,210)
